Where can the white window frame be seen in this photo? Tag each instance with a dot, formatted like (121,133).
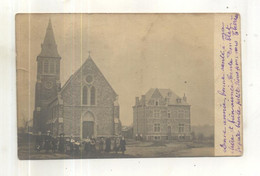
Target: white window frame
(48,65)
(95,96)
(169,113)
(52,64)
(181,127)
(156,113)
(157,128)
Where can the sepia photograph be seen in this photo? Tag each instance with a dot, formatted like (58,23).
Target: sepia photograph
(115,85)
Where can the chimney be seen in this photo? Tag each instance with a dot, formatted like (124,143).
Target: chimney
(184,98)
(136,101)
(143,99)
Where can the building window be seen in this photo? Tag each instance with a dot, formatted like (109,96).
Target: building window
(85,95)
(181,128)
(51,67)
(157,137)
(93,96)
(169,114)
(156,113)
(157,127)
(169,130)
(46,67)
(156,103)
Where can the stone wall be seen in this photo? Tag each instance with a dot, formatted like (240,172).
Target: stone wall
(74,110)
(72,120)
(169,119)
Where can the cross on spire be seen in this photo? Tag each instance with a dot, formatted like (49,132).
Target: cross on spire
(49,47)
(89,54)
(50,21)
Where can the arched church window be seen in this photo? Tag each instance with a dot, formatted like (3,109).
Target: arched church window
(51,67)
(46,66)
(57,68)
(85,95)
(93,96)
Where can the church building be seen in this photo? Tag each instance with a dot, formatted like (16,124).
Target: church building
(161,115)
(85,106)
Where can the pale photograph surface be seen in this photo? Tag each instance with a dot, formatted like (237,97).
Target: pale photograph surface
(115,85)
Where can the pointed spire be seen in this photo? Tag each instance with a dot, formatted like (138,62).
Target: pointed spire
(49,47)
(49,25)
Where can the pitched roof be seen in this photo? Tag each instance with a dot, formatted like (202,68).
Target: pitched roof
(165,93)
(149,94)
(49,46)
(88,61)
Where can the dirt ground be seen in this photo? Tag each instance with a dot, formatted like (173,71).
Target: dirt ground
(134,149)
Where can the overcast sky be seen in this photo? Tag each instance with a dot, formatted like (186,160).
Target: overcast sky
(135,52)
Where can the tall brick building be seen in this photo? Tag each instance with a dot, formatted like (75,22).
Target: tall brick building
(162,115)
(86,105)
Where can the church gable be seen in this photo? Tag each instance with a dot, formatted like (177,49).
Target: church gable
(86,83)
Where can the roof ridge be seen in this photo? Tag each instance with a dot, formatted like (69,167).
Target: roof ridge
(164,93)
(76,72)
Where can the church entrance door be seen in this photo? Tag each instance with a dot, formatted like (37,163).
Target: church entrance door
(88,129)
(88,125)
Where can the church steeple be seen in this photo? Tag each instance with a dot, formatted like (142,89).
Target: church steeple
(49,47)
(48,68)
(48,78)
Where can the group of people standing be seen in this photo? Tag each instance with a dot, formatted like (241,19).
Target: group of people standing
(139,137)
(47,142)
(73,146)
(109,144)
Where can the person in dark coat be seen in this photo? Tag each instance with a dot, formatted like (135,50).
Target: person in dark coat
(38,142)
(76,147)
(87,146)
(54,143)
(48,140)
(141,137)
(92,145)
(67,145)
(136,137)
(122,145)
(117,144)
(61,143)
(108,145)
(72,142)
(101,144)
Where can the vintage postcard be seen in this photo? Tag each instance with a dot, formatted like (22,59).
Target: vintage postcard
(128,85)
